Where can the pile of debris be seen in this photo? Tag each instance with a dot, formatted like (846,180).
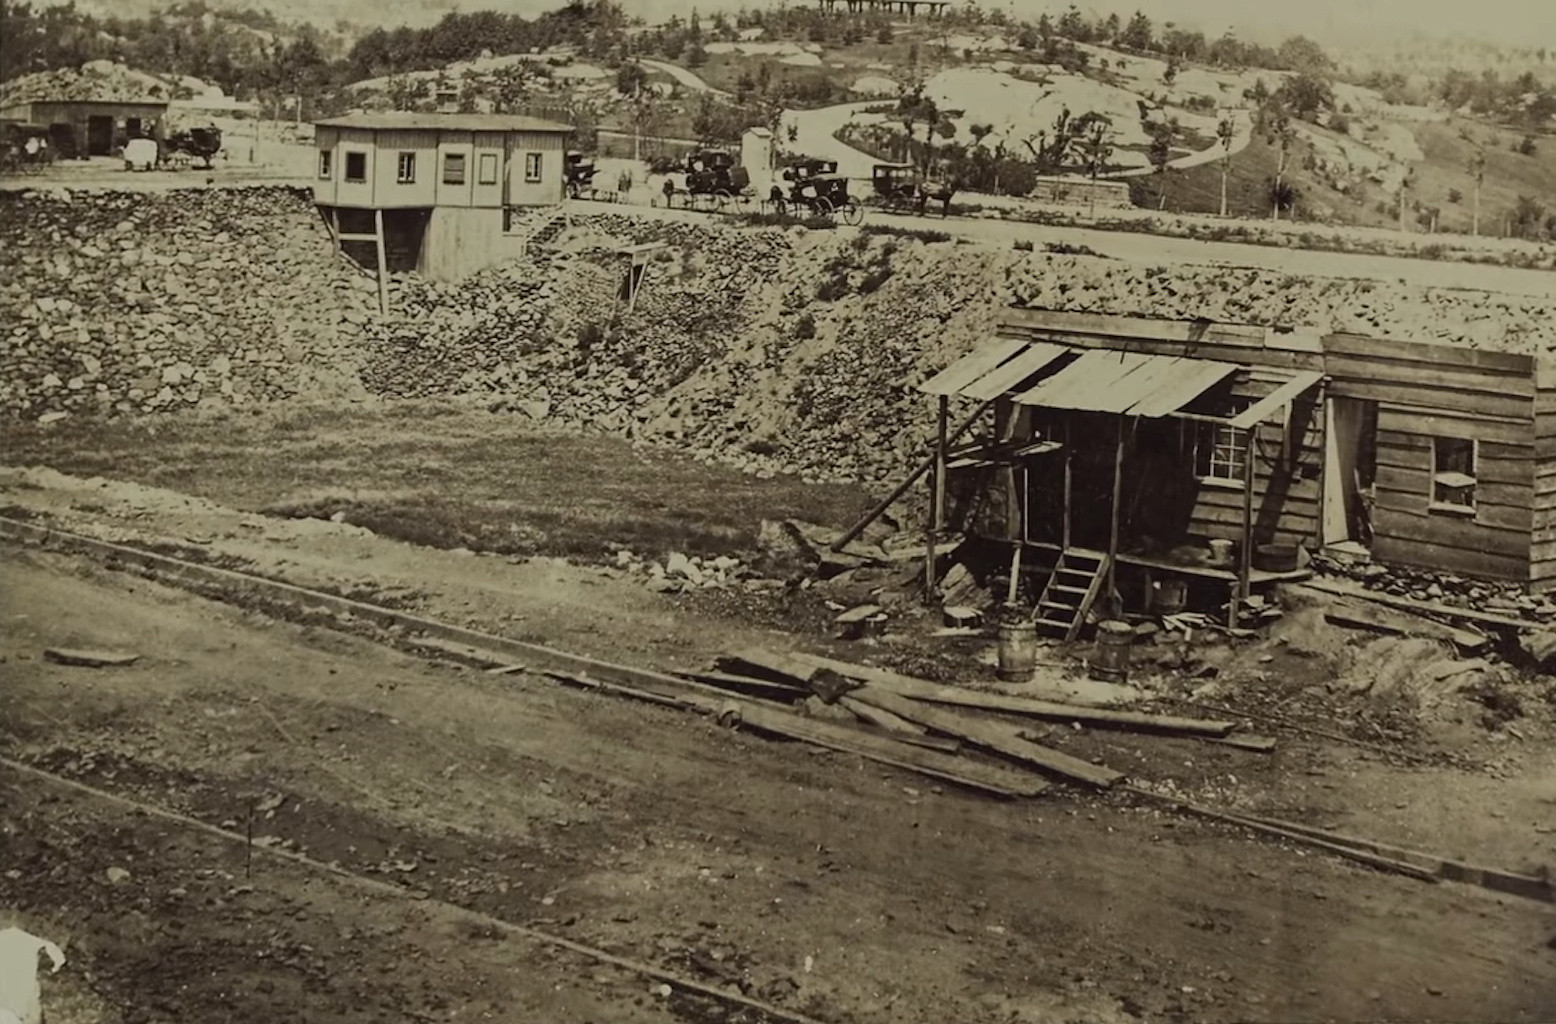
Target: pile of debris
(1444,588)
(679,573)
(1247,296)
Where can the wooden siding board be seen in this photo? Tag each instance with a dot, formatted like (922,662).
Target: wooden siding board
(1445,355)
(1445,425)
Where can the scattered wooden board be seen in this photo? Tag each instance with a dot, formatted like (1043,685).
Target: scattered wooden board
(89,658)
(769,665)
(995,736)
(1410,604)
(1245,741)
(763,688)
(1394,622)
(882,718)
(935,693)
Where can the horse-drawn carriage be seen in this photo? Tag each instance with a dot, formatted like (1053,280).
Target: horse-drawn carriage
(579,174)
(900,188)
(25,147)
(817,188)
(179,149)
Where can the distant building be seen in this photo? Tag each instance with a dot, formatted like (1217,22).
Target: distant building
(437,192)
(89,111)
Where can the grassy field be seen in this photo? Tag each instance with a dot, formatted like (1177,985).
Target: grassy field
(1508,174)
(441,476)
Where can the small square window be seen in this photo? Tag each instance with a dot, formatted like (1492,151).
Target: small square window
(405,173)
(1453,474)
(453,169)
(532,167)
(356,166)
(324,163)
(487,172)
(1220,454)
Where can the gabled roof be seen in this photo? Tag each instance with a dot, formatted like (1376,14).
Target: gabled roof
(409,120)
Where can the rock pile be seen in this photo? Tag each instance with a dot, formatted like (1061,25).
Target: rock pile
(136,302)
(1511,323)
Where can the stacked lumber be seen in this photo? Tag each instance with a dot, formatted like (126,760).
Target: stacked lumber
(905,717)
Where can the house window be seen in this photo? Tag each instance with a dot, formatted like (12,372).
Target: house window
(406,169)
(532,167)
(356,166)
(487,172)
(324,163)
(1221,454)
(1453,474)
(453,169)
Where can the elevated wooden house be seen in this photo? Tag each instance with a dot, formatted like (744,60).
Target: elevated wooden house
(1122,447)
(437,192)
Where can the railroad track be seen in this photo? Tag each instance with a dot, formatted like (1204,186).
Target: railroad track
(446,640)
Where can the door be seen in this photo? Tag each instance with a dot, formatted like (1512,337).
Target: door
(99,136)
(1350,468)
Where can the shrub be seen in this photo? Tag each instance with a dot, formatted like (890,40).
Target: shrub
(921,234)
(590,335)
(1527,146)
(1022,245)
(832,289)
(805,327)
(874,279)
(1455,196)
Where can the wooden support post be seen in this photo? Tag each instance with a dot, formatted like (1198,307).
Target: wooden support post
(383,263)
(1118,486)
(936,501)
(1245,567)
(1069,471)
(902,488)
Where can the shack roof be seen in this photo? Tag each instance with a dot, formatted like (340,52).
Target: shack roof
(407,120)
(97,81)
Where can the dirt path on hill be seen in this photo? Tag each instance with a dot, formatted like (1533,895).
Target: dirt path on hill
(844,890)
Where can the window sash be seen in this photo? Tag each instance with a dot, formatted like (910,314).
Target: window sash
(487,169)
(532,165)
(453,169)
(405,170)
(324,163)
(1222,454)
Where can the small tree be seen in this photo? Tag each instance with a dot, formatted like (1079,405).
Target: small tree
(1137,34)
(1527,146)
(1278,132)
(1477,169)
(1094,135)
(1226,132)
(1161,154)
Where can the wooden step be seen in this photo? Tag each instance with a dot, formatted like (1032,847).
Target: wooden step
(1069,590)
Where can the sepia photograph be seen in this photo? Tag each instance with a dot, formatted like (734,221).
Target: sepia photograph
(777,512)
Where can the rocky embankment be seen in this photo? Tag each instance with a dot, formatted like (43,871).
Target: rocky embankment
(133,303)
(776,349)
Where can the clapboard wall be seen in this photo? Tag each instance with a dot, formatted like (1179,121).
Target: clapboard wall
(1542,540)
(1422,391)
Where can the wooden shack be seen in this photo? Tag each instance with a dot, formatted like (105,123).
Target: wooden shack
(1121,447)
(437,192)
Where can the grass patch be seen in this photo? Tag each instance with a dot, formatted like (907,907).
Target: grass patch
(918,234)
(441,476)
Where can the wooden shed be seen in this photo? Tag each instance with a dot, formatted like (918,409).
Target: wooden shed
(1122,447)
(437,192)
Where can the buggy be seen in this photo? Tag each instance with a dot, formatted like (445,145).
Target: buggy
(815,186)
(190,144)
(579,174)
(900,188)
(713,172)
(25,147)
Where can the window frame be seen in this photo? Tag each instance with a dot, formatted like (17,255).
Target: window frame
(1227,453)
(405,167)
(326,164)
(448,166)
(534,166)
(1466,481)
(487,169)
(360,154)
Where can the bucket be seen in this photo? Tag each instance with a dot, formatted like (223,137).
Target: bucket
(1275,557)
(1220,552)
(1110,657)
(1168,597)
(1017,651)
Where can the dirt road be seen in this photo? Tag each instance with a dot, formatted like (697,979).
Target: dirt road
(844,890)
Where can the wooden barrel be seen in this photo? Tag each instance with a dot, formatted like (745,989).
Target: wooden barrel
(1017,649)
(1110,656)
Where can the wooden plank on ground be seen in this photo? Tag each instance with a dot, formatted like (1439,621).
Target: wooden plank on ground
(1054,711)
(763,688)
(1418,607)
(882,718)
(995,736)
(89,659)
(769,665)
(993,779)
(1245,741)
(1393,622)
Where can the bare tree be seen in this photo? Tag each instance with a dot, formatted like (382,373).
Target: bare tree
(1477,169)
(1278,132)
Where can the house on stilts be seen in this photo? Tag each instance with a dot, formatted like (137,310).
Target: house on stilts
(1125,453)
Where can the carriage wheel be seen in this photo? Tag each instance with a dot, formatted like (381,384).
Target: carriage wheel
(852,214)
(721,199)
(822,208)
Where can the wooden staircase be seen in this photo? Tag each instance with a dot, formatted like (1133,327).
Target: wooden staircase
(1071,590)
